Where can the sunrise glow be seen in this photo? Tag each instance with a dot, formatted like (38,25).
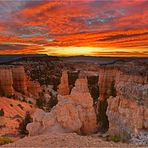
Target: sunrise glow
(68,28)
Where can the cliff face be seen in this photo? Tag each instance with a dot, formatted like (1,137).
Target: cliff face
(127,96)
(19,79)
(6,82)
(13,81)
(106,79)
(126,117)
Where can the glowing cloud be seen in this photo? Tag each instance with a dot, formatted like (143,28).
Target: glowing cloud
(90,27)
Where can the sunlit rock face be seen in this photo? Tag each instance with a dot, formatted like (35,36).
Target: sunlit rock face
(123,92)
(15,83)
(63,88)
(126,117)
(81,96)
(127,111)
(6,82)
(73,113)
(19,79)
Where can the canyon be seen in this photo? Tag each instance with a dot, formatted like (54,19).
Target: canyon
(80,97)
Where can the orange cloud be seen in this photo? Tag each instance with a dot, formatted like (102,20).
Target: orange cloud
(109,26)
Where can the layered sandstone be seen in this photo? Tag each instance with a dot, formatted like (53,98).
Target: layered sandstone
(15,82)
(73,113)
(6,82)
(19,79)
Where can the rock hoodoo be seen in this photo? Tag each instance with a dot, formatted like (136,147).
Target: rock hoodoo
(64,86)
(73,113)
(6,82)
(14,82)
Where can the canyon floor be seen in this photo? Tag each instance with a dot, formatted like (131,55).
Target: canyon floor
(65,140)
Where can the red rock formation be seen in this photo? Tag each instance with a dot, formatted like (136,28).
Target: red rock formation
(126,117)
(81,96)
(127,111)
(63,88)
(14,81)
(6,82)
(73,113)
(19,79)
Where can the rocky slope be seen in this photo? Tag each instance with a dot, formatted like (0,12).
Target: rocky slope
(14,111)
(65,140)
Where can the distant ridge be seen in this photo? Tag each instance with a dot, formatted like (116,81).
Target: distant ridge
(10,58)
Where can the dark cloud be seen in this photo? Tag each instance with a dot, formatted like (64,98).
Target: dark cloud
(120,36)
(11,46)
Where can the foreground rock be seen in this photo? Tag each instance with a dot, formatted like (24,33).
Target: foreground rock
(64,140)
(73,113)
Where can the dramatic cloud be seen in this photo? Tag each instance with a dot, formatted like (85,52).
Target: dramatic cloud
(72,27)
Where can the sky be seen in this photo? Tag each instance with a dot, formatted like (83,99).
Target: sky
(74,27)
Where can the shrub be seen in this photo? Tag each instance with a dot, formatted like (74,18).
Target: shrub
(11,105)
(52,102)
(116,138)
(41,101)
(5,140)
(23,124)
(1,112)
(20,106)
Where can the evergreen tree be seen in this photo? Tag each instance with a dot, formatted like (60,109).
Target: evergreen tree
(41,102)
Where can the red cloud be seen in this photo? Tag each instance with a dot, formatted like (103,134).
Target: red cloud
(87,23)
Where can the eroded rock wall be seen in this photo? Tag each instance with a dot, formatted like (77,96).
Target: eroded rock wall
(6,82)
(123,90)
(15,83)
(127,111)
(19,79)
(126,117)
